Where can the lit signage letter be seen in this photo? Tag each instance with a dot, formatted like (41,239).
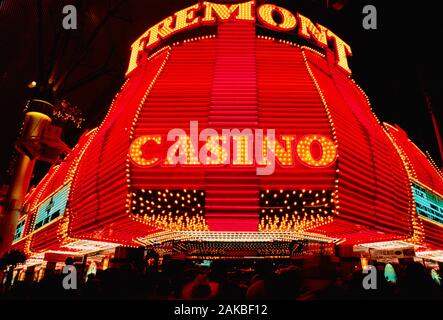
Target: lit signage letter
(136,48)
(215,146)
(187,18)
(182,152)
(159,31)
(226,12)
(243,146)
(284,155)
(328,151)
(136,151)
(342,51)
(309,31)
(265,15)
(149,38)
(183,19)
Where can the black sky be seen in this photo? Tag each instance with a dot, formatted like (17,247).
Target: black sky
(388,63)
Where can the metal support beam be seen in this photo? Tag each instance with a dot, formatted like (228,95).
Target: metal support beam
(33,130)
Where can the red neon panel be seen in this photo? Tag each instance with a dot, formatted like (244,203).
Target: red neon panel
(289,102)
(373,184)
(100,189)
(56,178)
(421,168)
(235,68)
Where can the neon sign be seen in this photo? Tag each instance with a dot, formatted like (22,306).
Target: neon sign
(19,230)
(232,147)
(429,205)
(208,13)
(52,208)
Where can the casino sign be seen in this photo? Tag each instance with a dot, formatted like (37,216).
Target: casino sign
(268,15)
(236,138)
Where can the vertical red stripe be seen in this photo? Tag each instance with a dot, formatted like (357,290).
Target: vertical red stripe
(232,195)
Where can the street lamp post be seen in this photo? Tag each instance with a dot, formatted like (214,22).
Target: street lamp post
(30,148)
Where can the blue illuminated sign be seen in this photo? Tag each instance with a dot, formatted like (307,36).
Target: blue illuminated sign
(429,205)
(52,208)
(19,230)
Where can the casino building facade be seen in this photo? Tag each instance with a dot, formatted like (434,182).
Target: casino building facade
(340,177)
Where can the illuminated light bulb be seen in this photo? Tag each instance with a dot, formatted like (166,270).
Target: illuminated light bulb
(242,156)
(329,151)
(266,12)
(219,154)
(240,11)
(136,151)
(187,154)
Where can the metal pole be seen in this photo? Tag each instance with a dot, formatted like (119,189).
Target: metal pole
(33,129)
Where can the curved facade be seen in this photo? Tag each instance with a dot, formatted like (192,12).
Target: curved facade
(235,78)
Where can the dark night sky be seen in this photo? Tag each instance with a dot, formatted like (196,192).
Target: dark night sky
(388,63)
